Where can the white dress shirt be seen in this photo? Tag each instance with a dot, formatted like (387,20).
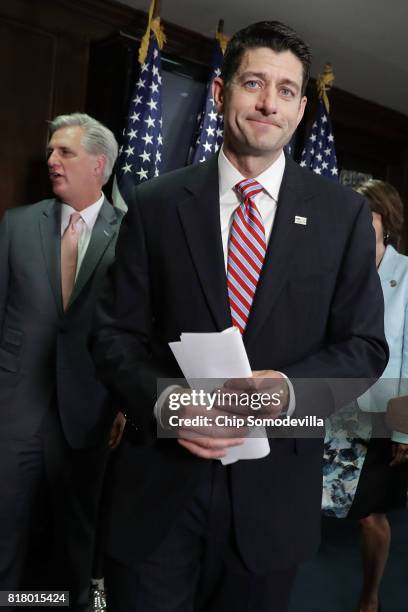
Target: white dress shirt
(84,226)
(266,201)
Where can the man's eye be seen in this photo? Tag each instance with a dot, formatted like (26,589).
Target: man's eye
(252,84)
(287,93)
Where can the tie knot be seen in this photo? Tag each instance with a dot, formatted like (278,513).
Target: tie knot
(248,188)
(74,218)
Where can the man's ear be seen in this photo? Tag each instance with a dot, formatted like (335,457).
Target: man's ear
(302,107)
(218,91)
(100,163)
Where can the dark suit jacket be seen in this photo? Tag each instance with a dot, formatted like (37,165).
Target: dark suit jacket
(318,312)
(43,350)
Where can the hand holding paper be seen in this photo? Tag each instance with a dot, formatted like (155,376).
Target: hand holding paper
(221,356)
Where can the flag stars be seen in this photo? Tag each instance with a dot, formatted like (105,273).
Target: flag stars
(152,104)
(330,138)
(207,146)
(135,117)
(137,100)
(212,116)
(150,122)
(145,156)
(141,83)
(210,131)
(147,139)
(127,168)
(154,87)
(130,150)
(132,134)
(145,67)
(142,174)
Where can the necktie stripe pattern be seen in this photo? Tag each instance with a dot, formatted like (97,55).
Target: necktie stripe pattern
(246,253)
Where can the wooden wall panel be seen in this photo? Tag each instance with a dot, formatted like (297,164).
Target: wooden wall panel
(25,104)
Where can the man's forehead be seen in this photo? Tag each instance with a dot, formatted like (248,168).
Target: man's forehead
(264,59)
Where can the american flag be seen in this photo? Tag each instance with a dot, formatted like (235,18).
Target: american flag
(140,154)
(319,153)
(210,132)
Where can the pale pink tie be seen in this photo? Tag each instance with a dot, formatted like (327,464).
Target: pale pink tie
(69,258)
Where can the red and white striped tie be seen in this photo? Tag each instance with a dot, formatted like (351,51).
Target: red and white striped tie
(246,253)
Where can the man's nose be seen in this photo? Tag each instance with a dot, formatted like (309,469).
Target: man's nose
(53,159)
(268,101)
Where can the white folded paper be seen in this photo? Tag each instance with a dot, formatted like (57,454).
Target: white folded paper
(220,355)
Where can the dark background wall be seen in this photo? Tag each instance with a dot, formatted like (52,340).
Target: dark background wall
(60,56)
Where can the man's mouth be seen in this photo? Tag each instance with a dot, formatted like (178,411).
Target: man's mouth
(55,175)
(264,121)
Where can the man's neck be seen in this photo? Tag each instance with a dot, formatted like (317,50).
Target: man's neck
(250,166)
(80,205)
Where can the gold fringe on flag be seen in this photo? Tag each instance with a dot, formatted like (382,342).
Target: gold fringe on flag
(154,26)
(223,40)
(324,83)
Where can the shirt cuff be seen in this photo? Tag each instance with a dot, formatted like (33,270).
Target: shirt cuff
(399,437)
(292,400)
(160,401)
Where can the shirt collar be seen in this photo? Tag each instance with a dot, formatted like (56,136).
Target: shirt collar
(270,179)
(88,214)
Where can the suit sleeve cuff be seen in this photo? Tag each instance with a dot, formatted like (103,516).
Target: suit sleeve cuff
(292,400)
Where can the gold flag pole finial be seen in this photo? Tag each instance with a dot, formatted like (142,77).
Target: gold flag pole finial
(154,26)
(324,83)
(221,37)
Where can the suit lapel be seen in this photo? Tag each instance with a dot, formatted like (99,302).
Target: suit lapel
(200,217)
(50,232)
(292,202)
(105,228)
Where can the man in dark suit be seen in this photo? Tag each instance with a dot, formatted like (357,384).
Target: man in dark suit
(184,531)
(55,416)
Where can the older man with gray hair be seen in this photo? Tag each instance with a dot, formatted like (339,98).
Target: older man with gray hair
(55,417)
